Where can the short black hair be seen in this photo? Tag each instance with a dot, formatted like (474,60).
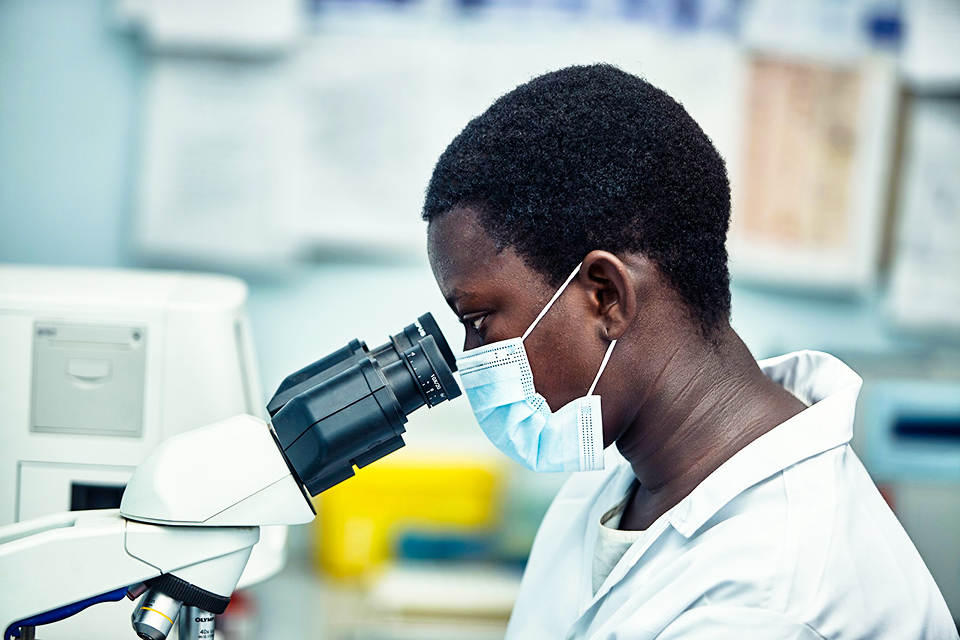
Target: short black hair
(592,157)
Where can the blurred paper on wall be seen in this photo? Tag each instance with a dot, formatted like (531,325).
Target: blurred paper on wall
(329,150)
(931,51)
(217,163)
(380,111)
(925,284)
(235,27)
(800,153)
(808,205)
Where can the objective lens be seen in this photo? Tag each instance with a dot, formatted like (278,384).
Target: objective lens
(196,624)
(154,616)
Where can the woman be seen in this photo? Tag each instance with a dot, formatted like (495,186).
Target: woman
(577,228)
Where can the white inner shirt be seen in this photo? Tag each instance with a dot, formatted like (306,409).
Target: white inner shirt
(612,543)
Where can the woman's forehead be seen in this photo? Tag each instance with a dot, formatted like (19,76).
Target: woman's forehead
(465,259)
(457,242)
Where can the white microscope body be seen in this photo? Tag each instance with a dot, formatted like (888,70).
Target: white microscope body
(193,507)
(192,510)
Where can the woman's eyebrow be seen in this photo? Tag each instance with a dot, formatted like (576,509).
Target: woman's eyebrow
(458,296)
(453,298)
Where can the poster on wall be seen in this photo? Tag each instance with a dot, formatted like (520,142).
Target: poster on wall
(810,194)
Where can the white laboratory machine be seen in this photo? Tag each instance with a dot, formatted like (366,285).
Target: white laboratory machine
(98,368)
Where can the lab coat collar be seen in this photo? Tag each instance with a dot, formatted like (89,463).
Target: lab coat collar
(821,381)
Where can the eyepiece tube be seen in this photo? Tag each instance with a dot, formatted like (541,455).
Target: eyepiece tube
(344,358)
(315,373)
(357,416)
(420,377)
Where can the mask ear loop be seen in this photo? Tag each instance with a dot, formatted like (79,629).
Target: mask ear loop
(603,365)
(543,312)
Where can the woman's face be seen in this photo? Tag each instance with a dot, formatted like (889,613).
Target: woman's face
(497,296)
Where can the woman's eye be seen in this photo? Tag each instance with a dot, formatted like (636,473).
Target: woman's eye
(475,323)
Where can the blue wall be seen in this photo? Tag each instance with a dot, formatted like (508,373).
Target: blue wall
(69,92)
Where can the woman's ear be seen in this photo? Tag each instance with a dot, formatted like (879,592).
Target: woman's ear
(612,291)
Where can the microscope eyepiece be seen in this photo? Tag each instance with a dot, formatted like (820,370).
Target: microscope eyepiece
(424,327)
(348,409)
(345,357)
(420,377)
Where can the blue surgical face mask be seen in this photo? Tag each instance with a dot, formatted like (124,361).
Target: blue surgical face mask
(499,383)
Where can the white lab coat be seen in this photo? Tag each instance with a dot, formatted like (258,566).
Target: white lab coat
(788,539)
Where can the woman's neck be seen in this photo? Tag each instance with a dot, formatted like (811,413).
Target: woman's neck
(700,408)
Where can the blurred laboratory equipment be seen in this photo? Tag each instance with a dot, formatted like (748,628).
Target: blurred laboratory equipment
(907,433)
(101,365)
(415,507)
(193,508)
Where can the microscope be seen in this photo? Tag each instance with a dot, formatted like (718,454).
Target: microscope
(191,513)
